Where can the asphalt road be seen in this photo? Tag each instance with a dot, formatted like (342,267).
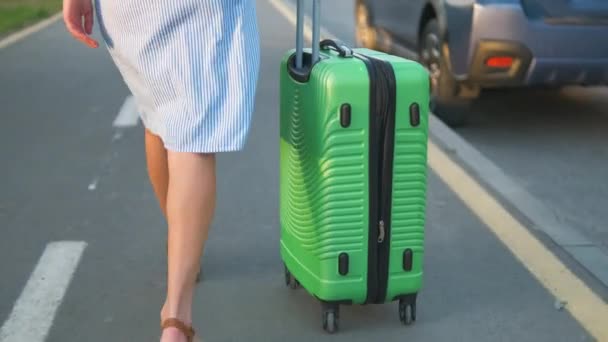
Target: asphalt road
(68,174)
(555,144)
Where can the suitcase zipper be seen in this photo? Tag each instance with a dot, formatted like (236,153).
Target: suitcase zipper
(382,111)
(374,161)
(387,131)
(386,176)
(381,231)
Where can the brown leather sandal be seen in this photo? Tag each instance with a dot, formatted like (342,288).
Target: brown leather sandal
(179,325)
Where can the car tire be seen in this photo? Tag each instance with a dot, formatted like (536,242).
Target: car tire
(445,103)
(365,34)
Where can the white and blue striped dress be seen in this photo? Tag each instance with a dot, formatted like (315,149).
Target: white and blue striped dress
(191,65)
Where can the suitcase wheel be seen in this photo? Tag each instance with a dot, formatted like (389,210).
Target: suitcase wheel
(290,280)
(331,315)
(407,311)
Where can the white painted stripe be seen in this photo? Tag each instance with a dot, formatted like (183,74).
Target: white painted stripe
(93,185)
(584,305)
(127,116)
(117,136)
(33,313)
(19,35)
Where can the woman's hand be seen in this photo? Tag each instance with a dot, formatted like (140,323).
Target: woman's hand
(73,13)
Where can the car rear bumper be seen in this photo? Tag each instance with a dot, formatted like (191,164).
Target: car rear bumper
(564,71)
(530,70)
(545,54)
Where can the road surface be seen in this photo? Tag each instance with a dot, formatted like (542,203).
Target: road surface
(82,247)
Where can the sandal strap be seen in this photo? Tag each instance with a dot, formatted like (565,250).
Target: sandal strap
(179,325)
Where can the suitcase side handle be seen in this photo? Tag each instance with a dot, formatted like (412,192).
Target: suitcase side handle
(316,29)
(337,45)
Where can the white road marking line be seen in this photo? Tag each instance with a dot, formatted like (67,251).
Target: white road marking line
(19,35)
(93,185)
(34,311)
(127,116)
(584,305)
(117,136)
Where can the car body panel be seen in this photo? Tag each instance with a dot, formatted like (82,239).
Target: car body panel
(566,40)
(583,10)
(562,54)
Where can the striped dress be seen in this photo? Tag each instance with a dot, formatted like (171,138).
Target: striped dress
(191,65)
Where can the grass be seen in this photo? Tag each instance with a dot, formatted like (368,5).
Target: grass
(16,14)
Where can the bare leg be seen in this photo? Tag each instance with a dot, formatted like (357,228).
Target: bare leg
(158,169)
(190,207)
(158,173)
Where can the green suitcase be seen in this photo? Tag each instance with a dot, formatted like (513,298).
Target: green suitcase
(353,152)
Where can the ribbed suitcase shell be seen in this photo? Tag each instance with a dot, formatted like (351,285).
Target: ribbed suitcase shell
(324,177)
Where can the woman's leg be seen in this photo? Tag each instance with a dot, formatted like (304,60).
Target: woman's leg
(158,173)
(190,207)
(158,169)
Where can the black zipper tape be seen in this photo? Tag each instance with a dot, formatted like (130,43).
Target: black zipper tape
(386,181)
(381,142)
(374,160)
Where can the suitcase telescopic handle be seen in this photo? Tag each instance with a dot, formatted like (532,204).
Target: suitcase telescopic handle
(316,30)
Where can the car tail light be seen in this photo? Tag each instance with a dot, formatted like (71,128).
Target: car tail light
(501,62)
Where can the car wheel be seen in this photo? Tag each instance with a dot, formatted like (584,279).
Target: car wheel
(365,33)
(444,102)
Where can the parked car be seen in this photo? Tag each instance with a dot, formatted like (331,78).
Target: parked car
(471,45)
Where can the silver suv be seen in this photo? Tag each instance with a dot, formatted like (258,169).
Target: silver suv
(469,45)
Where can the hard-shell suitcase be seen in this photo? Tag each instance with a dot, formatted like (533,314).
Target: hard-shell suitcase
(353,144)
